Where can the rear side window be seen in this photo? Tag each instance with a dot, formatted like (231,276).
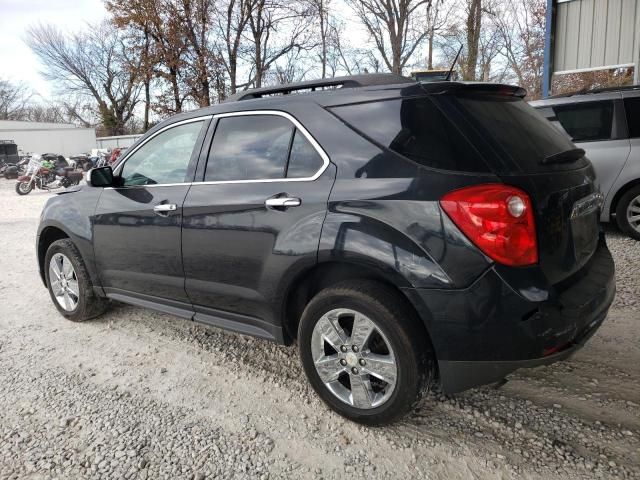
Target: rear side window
(260,147)
(586,122)
(632,108)
(516,131)
(416,129)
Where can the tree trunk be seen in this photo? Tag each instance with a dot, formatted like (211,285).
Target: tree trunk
(474,21)
(173,74)
(147,102)
(233,73)
(258,60)
(430,51)
(147,80)
(323,35)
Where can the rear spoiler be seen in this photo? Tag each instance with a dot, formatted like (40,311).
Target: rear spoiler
(474,88)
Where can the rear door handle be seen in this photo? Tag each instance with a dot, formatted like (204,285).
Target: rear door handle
(283,202)
(165,208)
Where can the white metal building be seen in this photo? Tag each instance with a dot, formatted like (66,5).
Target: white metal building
(117,141)
(37,137)
(588,35)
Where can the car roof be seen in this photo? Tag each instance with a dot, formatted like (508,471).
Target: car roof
(336,91)
(609,93)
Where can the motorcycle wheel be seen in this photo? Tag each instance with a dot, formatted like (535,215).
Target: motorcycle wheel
(24,188)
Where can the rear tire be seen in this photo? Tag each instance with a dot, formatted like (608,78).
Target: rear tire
(24,188)
(390,371)
(78,302)
(628,213)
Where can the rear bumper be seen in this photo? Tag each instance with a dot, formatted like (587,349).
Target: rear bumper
(483,333)
(457,376)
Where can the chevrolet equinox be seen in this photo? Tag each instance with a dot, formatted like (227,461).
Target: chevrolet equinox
(405,235)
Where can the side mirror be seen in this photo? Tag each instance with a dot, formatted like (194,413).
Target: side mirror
(100,177)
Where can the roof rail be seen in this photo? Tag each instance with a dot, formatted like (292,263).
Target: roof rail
(353,81)
(586,91)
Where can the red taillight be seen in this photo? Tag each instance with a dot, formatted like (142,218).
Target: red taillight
(498,219)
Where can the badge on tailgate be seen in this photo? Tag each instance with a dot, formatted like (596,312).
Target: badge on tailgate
(587,205)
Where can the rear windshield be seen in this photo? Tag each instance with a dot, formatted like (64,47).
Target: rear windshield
(416,129)
(518,131)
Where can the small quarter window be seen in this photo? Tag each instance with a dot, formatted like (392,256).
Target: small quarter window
(249,147)
(163,159)
(304,160)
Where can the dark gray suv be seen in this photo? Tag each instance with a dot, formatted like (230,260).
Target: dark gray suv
(401,233)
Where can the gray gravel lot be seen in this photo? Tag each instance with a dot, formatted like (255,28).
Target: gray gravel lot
(136,394)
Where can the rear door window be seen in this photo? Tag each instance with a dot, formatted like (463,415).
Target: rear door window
(586,121)
(416,129)
(260,147)
(249,147)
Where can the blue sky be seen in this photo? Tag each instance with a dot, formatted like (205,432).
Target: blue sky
(16,60)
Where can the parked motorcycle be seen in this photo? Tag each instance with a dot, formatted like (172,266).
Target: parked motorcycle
(14,171)
(82,161)
(47,175)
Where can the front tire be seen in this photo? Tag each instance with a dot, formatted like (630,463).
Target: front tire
(365,352)
(628,213)
(24,188)
(69,283)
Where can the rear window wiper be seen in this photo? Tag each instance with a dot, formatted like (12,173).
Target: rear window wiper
(567,156)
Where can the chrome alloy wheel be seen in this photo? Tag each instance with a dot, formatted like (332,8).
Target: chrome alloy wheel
(633,213)
(353,358)
(64,282)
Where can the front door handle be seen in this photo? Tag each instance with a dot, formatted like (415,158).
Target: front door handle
(283,202)
(165,208)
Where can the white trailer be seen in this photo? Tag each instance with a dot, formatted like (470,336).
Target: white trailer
(38,137)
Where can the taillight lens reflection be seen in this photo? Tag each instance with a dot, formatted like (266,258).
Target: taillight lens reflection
(498,219)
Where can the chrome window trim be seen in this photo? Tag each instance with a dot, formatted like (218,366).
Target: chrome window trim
(299,126)
(291,118)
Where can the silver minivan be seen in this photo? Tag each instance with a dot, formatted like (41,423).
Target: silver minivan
(606,124)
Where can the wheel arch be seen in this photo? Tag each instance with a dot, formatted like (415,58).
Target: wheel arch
(47,236)
(311,281)
(619,194)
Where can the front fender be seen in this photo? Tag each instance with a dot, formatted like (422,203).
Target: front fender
(71,215)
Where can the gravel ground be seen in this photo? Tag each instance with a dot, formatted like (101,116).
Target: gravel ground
(136,394)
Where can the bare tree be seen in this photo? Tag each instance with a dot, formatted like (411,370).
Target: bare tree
(203,65)
(95,63)
(290,68)
(14,100)
(230,24)
(396,27)
(266,19)
(320,10)
(473,27)
(437,17)
(521,26)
